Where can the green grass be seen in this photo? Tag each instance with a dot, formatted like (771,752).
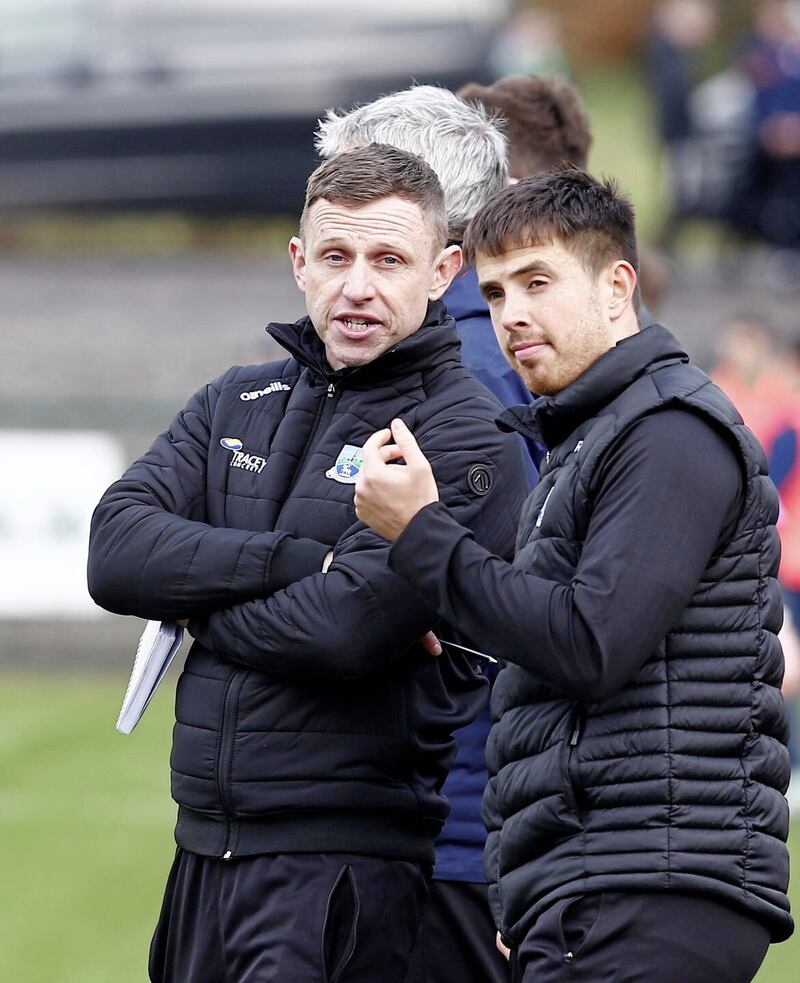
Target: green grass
(86,832)
(86,820)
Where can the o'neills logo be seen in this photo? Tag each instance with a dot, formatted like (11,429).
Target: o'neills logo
(271,387)
(240,458)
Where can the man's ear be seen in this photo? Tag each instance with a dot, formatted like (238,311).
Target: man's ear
(297,254)
(621,280)
(448,263)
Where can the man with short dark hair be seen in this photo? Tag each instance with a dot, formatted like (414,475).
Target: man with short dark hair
(636,811)
(313,731)
(545,123)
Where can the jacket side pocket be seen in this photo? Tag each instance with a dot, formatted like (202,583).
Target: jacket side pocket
(340,928)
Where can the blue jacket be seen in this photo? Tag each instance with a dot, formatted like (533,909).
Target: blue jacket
(459,847)
(481,354)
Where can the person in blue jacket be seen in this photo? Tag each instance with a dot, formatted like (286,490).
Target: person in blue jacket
(476,142)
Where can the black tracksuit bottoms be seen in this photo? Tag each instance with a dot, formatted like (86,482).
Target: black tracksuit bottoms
(288,918)
(641,938)
(456,942)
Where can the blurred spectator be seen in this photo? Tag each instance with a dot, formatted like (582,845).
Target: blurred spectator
(680,29)
(783,450)
(751,371)
(790,643)
(654,282)
(768,202)
(763,380)
(530,44)
(784,469)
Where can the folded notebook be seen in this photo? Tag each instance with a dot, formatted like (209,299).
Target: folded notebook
(157,647)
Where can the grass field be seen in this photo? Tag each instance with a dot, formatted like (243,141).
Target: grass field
(86,828)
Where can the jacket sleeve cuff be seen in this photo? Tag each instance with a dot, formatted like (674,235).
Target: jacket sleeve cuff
(293,560)
(422,551)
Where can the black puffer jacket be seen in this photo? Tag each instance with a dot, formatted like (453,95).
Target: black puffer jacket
(677,780)
(307,717)
(639,730)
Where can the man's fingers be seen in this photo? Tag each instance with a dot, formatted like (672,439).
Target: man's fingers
(390,452)
(431,643)
(374,444)
(407,444)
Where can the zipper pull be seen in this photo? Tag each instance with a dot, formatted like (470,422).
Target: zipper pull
(227,855)
(331,390)
(576,733)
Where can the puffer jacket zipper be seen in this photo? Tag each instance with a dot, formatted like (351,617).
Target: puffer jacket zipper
(230,710)
(572,757)
(322,416)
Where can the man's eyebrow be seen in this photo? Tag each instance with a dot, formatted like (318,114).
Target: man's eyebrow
(384,246)
(537,266)
(332,239)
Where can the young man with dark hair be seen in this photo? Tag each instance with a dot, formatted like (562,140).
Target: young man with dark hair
(636,811)
(544,121)
(547,127)
(313,731)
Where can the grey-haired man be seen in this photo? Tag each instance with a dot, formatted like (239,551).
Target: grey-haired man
(467,150)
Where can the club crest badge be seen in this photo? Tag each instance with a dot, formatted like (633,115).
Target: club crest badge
(348,465)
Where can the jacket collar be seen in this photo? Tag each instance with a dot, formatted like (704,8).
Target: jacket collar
(552,418)
(434,340)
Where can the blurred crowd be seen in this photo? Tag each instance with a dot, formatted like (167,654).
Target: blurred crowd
(731,141)
(760,371)
(731,153)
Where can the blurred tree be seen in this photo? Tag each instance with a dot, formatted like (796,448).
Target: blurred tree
(600,32)
(596,32)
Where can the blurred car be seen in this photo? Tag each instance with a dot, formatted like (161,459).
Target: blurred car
(205,104)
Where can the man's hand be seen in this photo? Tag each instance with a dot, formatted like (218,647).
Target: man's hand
(388,496)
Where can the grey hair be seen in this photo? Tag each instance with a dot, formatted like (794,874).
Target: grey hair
(463,144)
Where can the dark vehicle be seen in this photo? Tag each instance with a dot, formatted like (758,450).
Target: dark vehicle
(204,104)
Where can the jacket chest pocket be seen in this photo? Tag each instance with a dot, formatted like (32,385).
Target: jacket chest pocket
(574,784)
